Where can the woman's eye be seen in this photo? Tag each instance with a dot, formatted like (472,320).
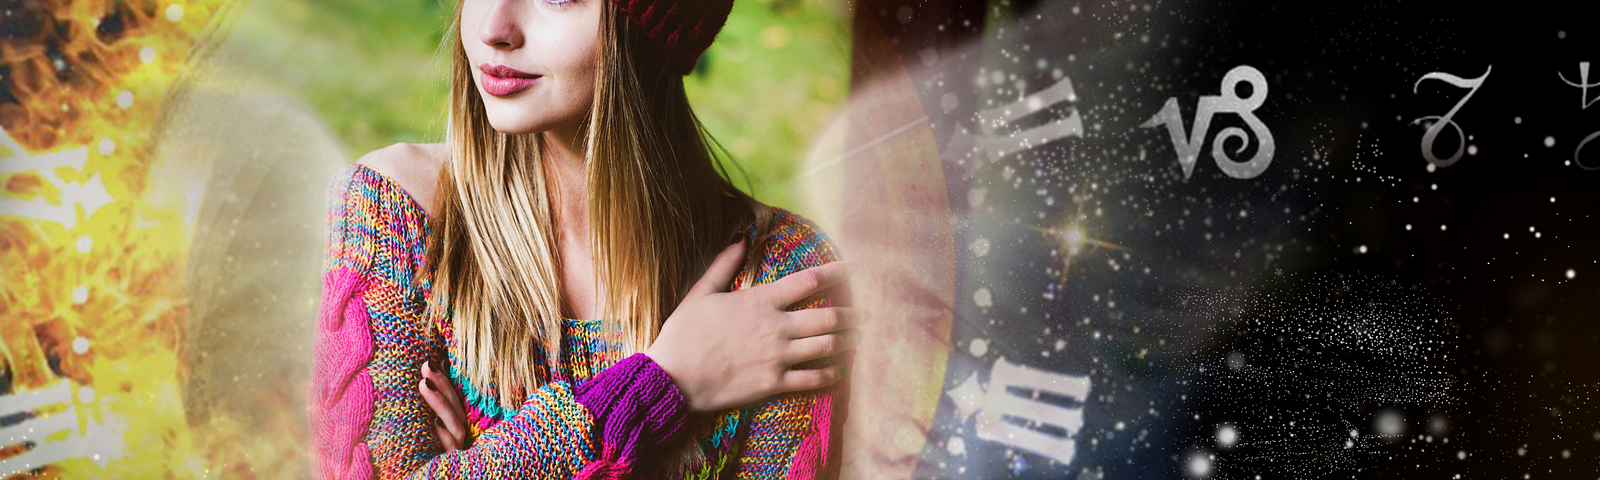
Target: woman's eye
(559,3)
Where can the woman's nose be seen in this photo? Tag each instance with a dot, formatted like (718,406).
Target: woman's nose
(499,28)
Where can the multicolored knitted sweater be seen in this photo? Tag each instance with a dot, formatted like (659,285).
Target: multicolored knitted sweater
(597,418)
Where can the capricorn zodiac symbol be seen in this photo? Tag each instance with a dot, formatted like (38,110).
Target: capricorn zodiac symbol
(1188,145)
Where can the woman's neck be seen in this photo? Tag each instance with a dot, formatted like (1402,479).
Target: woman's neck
(564,156)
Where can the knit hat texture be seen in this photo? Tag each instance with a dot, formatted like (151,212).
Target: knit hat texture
(682,29)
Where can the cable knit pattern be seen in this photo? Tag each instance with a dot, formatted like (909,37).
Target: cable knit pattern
(340,402)
(682,29)
(593,420)
(635,406)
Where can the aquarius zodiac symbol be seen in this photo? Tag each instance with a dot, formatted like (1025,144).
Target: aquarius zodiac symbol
(1436,123)
(1188,145)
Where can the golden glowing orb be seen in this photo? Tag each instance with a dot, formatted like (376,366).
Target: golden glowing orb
(1074,239)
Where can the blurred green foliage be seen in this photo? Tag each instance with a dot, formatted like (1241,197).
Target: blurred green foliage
(776,75)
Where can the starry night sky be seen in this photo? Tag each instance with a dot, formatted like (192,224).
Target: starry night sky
(1351,312)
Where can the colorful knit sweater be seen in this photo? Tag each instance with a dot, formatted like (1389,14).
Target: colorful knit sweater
(597,418)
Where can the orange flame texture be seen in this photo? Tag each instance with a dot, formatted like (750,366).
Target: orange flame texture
(92,289)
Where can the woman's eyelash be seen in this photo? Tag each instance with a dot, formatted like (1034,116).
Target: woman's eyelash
(559,3)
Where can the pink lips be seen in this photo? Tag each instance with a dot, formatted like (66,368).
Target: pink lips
(500,80)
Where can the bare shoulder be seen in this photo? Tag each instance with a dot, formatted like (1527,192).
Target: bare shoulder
(412,166)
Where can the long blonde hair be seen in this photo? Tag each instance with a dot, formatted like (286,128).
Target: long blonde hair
(660,207)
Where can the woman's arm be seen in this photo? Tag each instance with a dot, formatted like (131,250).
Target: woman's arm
(372,228)
(373,336)
(609,421)
(796,436)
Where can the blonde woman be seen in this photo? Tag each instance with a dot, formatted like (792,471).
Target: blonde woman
(552,293)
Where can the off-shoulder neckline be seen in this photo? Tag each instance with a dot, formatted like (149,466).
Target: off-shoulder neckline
(410,202)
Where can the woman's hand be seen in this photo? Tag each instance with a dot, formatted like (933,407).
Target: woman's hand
(449,414)
(725,349)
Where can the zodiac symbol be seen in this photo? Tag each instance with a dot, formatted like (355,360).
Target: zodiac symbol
(1583,84)
(1437,123)
(1188,145)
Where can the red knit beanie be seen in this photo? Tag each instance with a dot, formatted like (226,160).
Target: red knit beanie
(681,28)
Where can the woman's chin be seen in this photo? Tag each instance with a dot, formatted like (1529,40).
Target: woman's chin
(517,124)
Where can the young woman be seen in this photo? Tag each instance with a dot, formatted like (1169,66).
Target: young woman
(563,260)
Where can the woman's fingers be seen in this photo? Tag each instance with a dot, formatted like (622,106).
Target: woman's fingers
(801,380)
(447,388)
(811,322)
(447,439)
(720,274)
(454,421)
(799,285)
(821,346)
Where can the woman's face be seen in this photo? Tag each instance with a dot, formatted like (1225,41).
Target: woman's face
(533,61)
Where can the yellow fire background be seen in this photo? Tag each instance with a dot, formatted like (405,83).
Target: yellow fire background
(93,290)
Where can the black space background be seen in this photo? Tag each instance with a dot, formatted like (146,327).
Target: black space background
(1524,340)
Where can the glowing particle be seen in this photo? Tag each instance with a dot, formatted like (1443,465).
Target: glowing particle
(1552,199)
(1361,249)
(1198,465)
(1549,141)
(983,298)
(80,294)
(1075,240)
(1472,149)
(147,55)
(980,247)
(1443,227)
(80,345)
(978,347)
(107,147)
(1390,423)
(1408,227)
(1227,436)
(86,395)
(956,446)
(174,12)
(1571,273)
(85,243)
(125,99)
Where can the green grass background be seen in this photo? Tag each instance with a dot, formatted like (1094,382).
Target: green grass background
(779,70)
